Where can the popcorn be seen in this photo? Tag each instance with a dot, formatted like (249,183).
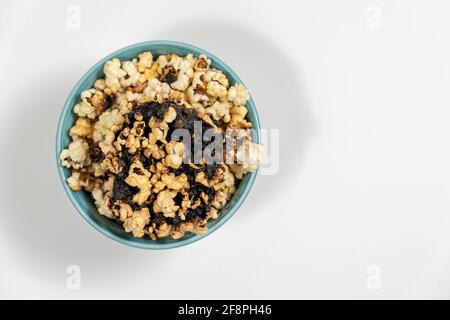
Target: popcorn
(217,84)
(249,157)
(132,74)
(170,115)
(238,94)
(137,222)
(76,156)
(80,180)
(82,128)
(139,177)
(105,128)
(216,90)
(102,203)
(164,203)
(175,154)
(184,67)
(175,182)
(163,230)
(181,83)
(202,63)
(123,153)
(74,181)
(196,93)
(145,61)
(157,90)
(113,74)
(237,118)
(201,178)
(125,212)
(220,111)
(85,108)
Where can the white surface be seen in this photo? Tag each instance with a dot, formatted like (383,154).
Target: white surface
(360,90)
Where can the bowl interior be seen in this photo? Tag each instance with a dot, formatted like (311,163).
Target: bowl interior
(83,201)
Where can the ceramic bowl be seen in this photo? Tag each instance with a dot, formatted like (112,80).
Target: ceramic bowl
(82,200)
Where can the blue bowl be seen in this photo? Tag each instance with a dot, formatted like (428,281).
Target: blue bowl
(83,201)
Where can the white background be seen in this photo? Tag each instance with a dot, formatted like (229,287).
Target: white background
(360,206)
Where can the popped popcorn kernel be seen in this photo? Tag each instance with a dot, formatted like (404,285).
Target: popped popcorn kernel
(164,203)
(238,94)
(137,222)
(76,156)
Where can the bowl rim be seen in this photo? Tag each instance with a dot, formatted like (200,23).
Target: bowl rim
(152,245)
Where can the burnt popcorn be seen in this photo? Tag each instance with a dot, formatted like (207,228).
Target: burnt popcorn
(127,153)
(96,155)
(108,102)
(169,75)
(122,191)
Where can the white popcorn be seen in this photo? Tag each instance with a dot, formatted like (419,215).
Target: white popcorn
(220,111)
(175,154)
(106,127)
(186,66)
(238,94)
(102,203)
(84,108)
(162,61)
(196,93)
(113,74)
(217,84)
(133,74)
(76,156)
(202,63)
(74,181)
(145,61)
(248,158)
(216,90)
(217,76)
(156,88)
(181,83)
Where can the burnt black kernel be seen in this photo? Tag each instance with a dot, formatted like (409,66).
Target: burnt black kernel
(108,102)
(135,207)
(123,191)
(190,172)
(215,121)
(196,190)
(146,162)
(117,221)
(161,111)
(125,162)
(96,155)
(169,75)
(158,218)
(198,213)
(176,220)
(210,169)
(138,171)
(178,198)
(150,109)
